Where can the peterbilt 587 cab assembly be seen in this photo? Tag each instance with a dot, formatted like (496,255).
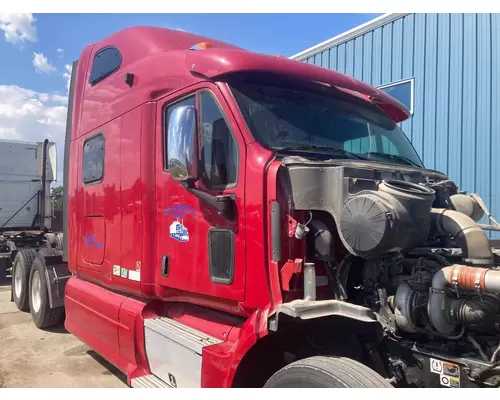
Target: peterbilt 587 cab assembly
(234,219)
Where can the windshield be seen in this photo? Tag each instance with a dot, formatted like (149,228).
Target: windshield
(290,118)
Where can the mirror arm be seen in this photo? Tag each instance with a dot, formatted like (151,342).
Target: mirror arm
(223,204)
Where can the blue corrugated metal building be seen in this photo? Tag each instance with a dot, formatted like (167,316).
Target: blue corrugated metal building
(446,69)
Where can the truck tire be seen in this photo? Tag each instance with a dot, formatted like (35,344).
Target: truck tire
(49,251)
(59,239)
(326,372)
(20,277)
(54,240)
(43,316)
(11,245)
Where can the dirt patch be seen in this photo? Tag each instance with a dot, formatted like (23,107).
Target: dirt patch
(31,357)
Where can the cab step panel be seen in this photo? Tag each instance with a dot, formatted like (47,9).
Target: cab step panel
(174,351)
(149,382)
(185,335)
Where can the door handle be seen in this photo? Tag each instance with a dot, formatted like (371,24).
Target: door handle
(164,265)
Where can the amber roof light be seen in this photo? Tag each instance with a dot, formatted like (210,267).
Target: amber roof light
(201,46)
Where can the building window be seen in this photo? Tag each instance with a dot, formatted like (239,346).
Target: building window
(219,150)
(106,61)
(93,159)
(186,101)
(402,91)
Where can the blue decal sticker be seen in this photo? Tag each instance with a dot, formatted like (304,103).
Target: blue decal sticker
(180,211)
(90,240)
(179,232)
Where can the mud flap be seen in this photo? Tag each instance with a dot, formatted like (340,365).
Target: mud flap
(4,265)
(57,275)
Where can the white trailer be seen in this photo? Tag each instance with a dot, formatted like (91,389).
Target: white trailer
(24,193)
(27,170)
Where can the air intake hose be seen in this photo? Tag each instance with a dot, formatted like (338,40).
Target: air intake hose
(475,311)
(471,238)
(446,313)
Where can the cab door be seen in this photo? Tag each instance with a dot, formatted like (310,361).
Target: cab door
(197,250)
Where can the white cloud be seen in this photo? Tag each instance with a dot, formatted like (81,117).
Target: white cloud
(32,116)
(60,52)
(57,98)
(41,64)
(54,116)
(67,75)
(18,27)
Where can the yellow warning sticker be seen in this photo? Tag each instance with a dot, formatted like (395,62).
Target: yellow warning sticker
(449,373)
(451,369)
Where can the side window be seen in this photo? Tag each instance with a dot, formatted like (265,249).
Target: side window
(93,159)
(106,61)
(219,151)
(187,101)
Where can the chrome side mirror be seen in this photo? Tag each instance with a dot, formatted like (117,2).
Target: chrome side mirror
(183,144)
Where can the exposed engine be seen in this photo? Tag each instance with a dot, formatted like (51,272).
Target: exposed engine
(428,290)
(415,253)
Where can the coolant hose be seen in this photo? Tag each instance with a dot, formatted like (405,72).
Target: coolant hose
(445,313)
(471,238)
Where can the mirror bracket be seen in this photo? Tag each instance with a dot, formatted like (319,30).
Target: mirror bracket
(224,204)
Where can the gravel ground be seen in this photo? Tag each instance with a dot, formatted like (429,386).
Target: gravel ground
(30,357)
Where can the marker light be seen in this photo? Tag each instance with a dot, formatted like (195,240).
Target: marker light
(201,46)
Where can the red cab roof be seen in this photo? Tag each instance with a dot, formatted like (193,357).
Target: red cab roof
(161,61)
(215,63)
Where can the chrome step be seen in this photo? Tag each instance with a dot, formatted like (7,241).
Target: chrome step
(149,382)
(191,338)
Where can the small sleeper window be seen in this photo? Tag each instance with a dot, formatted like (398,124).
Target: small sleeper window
(106,61)
(93,159)
(402,91)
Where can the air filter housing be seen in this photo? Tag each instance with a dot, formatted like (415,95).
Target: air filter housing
(390,219)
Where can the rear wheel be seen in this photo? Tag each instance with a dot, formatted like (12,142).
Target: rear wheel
(59,239)
(326,372)
(20,277)
(54,240)
(43,316)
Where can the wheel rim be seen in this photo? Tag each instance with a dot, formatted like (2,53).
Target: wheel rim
(36,294)
(18,281)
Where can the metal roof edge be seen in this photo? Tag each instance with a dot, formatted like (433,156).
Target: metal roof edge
(350,34)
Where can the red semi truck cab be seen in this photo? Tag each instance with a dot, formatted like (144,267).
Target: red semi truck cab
(214,198)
